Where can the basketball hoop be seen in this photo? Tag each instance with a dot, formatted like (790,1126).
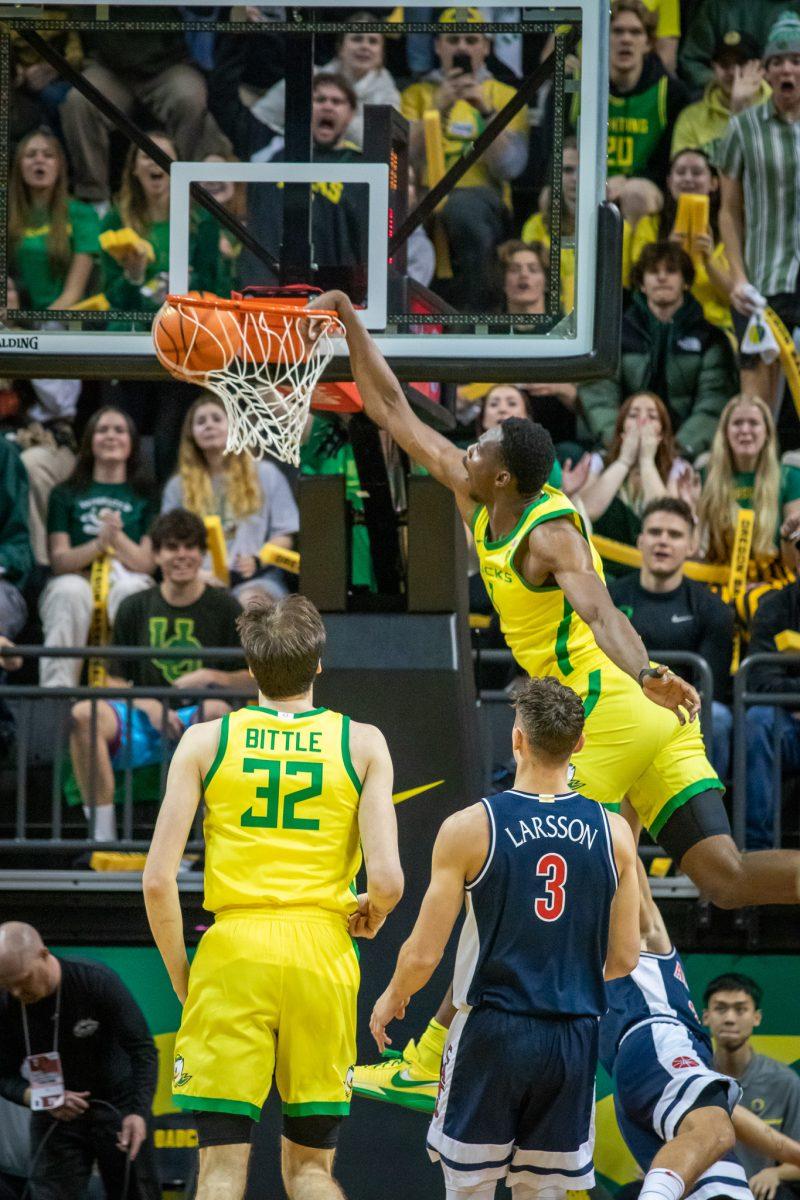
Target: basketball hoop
(261,354)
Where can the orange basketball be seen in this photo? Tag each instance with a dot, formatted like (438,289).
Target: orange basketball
(196,340)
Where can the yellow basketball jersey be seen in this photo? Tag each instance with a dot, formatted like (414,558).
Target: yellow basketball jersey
(281,821)
(543,632)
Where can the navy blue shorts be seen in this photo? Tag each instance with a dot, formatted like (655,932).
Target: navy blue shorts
(660,1075)
(516,1101)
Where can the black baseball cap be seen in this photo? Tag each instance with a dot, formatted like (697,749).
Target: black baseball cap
(736,47)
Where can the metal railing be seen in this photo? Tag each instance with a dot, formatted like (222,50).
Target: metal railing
(742,700)
(26,703)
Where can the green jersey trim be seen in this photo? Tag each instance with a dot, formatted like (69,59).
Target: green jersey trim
(677,801)
(346,759)
(503,541)
(237,1108)
(593,693)
(276,712)
(562,639)
(314,1109)
(222,746)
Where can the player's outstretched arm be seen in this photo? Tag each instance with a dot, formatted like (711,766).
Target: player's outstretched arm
(624,938)
(385,404)
(190,762)
(377,825)
(556,548)
(458,854)
(655,937)
(768,1142)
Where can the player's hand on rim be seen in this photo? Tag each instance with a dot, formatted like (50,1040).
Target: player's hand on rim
(387,1008)
(670,691)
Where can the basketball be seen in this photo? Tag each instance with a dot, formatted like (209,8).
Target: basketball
(196,340)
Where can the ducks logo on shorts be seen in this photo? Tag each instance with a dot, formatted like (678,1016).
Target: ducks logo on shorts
(179,1077)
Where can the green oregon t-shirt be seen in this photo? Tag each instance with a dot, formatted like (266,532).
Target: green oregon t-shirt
(146,619)
(32,265)
(78,513)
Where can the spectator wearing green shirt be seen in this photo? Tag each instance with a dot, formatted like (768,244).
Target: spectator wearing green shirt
(103,508)
(16,558)
(760,214)
(52,238)
(137,282)
(744,472)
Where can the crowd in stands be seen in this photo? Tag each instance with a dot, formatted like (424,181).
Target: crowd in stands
(703,118)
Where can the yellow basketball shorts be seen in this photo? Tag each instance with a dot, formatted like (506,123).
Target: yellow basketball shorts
(270,994)
(636,748)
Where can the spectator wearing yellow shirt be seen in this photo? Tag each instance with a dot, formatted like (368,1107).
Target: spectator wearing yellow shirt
(467,97)
(691,173)
(738,83)
(537,227)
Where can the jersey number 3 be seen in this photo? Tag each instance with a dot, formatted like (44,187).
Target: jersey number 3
(550,906)
(277,815)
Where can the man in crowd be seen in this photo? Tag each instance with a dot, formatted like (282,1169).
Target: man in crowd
(181,611)
(760,200)
(671,612)
(778,612)
(644,99)
(769,1089)
(737,83)
(467,97)
(149,68)
(710,23)
(339,213)
(105,1077)
(668,347)
(16,558)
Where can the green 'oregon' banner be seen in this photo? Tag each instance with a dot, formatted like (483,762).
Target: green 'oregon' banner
(779,1034)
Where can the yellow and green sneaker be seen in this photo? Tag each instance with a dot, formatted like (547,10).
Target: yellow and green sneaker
(398,1079)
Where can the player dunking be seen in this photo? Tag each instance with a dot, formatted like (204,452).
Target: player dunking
(546,582)
(291,793)
(552,910)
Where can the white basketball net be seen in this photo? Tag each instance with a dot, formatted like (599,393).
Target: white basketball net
(267,401)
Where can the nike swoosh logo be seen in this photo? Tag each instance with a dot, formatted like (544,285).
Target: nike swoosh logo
(400,1080)
(399,797)
(676,619)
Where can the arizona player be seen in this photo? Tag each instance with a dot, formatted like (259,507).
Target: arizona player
(291,792)
(516,1098)
(678,1116)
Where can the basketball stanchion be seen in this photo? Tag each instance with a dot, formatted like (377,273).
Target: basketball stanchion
(99,628)
(262,352)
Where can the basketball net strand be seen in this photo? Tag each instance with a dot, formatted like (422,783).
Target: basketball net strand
(269,378)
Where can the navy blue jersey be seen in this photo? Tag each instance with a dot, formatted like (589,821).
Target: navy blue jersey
(655,991)
(536,929)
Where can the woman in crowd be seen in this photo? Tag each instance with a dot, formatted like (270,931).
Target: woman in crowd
(641,466)
(104,508)
(692,173)
(52,238)
(359,58)
(252,499)
(137,282)
(744,472)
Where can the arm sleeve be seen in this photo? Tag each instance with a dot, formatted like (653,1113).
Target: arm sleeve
(791,1116)
(772,616)
(716,383)
(136,1040)
(729,156)
(12,1084)
(58,511)
(173,495)
(124,632)
(282,514)
(234,119)
(85,229)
